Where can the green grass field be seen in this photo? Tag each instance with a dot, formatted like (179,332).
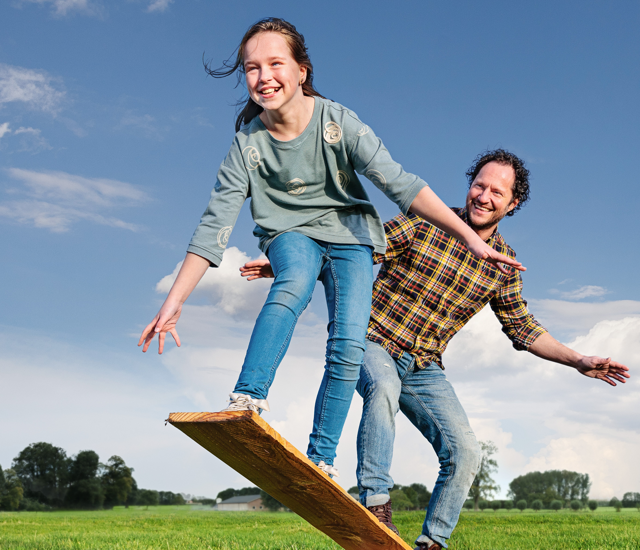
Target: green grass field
(190,528)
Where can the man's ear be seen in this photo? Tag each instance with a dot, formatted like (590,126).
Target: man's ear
(513,204)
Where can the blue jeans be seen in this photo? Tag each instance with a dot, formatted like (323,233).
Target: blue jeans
(347,275)
(428,400)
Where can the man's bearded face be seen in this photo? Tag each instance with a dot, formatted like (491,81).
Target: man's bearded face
(490,196)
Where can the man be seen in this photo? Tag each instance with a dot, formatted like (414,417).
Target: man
(427,289)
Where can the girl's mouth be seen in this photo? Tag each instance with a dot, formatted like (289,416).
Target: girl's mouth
(269,92)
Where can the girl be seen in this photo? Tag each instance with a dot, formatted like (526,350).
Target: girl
(296,154)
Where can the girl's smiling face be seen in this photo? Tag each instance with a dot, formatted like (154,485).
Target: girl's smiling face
(272,74)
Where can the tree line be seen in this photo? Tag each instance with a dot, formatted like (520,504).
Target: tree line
(43,477)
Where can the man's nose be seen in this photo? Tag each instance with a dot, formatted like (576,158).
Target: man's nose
(484,196)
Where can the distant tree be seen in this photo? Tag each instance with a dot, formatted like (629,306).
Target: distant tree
(85,489)
(354,490)
(495,505)
(468,504)
(556,505)
(614,502)
(551,485)
(269,502)
(412,495)
(167,498)
(593,505)
(400,501)
(575,505)
(11,492)
(521,505)
(631,500)
(207,501)
(43,471)
(247,491)
(508,504)
(132,499)
(483,485)
(536,505)
(117,482)
(147,497)
(423,495)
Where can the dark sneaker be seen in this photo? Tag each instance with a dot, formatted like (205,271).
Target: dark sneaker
(428,546)
(383,513)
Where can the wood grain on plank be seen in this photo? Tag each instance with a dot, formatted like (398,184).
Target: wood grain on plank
(250,446)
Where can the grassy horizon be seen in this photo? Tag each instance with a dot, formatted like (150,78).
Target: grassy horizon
(191,527)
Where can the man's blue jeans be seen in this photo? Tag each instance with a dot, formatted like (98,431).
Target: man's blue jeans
(428,400)
(347,275)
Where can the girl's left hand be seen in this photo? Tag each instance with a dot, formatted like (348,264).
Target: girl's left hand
(482,250)
(257,269)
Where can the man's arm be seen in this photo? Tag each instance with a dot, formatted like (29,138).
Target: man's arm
(547,347)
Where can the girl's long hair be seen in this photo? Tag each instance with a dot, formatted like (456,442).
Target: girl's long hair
(247,108)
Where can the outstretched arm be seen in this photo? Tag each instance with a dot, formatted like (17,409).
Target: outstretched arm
(547,347)
(429,207)
(192,270)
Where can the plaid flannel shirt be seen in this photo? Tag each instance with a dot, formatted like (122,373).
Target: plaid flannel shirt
(430,285)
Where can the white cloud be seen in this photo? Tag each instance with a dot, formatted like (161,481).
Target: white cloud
(57,200)
(573,318)
(4,129)
(159,5)
(547,416)
(35,89)
(31,140)
(587,291)
(224,287)
(65,7)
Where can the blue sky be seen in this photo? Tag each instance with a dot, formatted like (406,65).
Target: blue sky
(110,138)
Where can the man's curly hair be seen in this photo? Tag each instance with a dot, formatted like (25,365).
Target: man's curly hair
(521,184)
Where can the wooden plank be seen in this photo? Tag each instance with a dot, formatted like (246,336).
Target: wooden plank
(250,446)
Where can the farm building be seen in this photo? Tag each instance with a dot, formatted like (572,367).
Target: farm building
(241,504)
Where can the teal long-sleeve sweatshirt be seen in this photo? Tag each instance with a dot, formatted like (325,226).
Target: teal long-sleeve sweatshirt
(307,184)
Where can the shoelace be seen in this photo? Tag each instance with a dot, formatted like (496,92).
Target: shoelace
(327,469)
(382,512)
(242,402)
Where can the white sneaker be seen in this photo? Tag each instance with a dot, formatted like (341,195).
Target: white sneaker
(242,402)
(333,472)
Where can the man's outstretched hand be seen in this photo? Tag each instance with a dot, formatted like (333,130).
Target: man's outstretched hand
(257,269)
(603,369)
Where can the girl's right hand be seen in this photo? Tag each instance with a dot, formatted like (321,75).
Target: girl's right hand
(257,269)
(162,323)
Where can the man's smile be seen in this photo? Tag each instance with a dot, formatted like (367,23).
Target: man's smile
(481,208)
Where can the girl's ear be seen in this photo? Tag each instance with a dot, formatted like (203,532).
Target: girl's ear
(303,74)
